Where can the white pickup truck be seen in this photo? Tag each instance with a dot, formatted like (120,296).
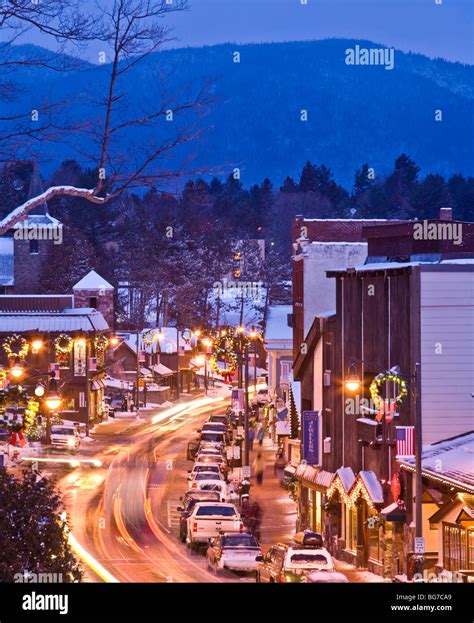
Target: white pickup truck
(209,519)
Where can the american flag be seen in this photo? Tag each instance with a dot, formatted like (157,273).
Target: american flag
(405,441)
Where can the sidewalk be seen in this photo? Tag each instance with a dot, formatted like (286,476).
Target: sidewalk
(279,510)
(279,513)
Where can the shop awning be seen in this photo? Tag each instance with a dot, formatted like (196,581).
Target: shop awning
(97,384)
(319,478)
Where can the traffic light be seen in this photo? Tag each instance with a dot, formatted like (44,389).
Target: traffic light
(236,269)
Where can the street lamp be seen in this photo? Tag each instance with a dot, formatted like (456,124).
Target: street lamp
(352,380)
(17,371)
(53,402)
(353,383)
(207,343)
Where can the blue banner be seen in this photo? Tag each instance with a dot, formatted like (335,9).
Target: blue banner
(311,437)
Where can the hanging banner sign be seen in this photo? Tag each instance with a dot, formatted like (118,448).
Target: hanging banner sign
(311,437)
(237,400)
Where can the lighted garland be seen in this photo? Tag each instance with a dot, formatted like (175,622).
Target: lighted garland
(18,396)
(63,344)
(100,343)
(382,378)
(16,346)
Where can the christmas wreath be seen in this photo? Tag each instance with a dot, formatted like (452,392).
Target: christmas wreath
(16,346)
(148,338)
(100,343)
(382,378)
(225,347)
(63,344)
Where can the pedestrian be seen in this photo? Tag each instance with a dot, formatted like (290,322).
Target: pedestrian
(260,435)
(279,466)
(255,520)
(244,491)
(259,466)
(251,438)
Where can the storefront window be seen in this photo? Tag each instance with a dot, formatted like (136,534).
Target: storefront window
(470,551)
(374,540)
(317,526)
(310,509)
(454,547)
(351,528)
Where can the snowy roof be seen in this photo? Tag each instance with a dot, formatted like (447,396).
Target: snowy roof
(315,475)
(450,459)
(88,320)
(33,220)
(277,328)
(347,477)
(93,281)
(6,261)
(167,344)
(372,485)
(327,314)
(400,265)
(161,369)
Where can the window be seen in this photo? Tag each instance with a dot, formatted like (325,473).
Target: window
(216,511)
(93,302)
(351,529)
(34,247)
(285,367)
(454,547)
(470,549)
(374,542)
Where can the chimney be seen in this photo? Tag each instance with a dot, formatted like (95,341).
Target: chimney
(445,214)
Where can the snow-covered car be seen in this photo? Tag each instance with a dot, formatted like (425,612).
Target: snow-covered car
(283,563)
(212,439)
(325,577)
(208,520)
(239,552)
(209,481)
(65,436)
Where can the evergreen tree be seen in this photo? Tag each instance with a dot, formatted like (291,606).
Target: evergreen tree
(289,186)
(309,178)
(33,538)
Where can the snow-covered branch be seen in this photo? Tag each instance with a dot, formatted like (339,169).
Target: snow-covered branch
(22,211)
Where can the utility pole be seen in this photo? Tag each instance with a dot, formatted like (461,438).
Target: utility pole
(247,410)
(177,357)
(137,392)
(418,464)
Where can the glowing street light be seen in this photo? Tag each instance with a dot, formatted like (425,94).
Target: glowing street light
(36,345)
(114,340)
(17,371)
(53,400)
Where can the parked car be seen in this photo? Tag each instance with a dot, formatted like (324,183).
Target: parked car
(261,397)
(221,419)
(213,426)
(210,481)
(189,500)
(325,577)
(204,467)
(65,436)
(239,552)
(210,458)
(208,520)
(212,440)
(285,563)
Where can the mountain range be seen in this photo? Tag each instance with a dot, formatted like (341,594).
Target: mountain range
(354,113)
